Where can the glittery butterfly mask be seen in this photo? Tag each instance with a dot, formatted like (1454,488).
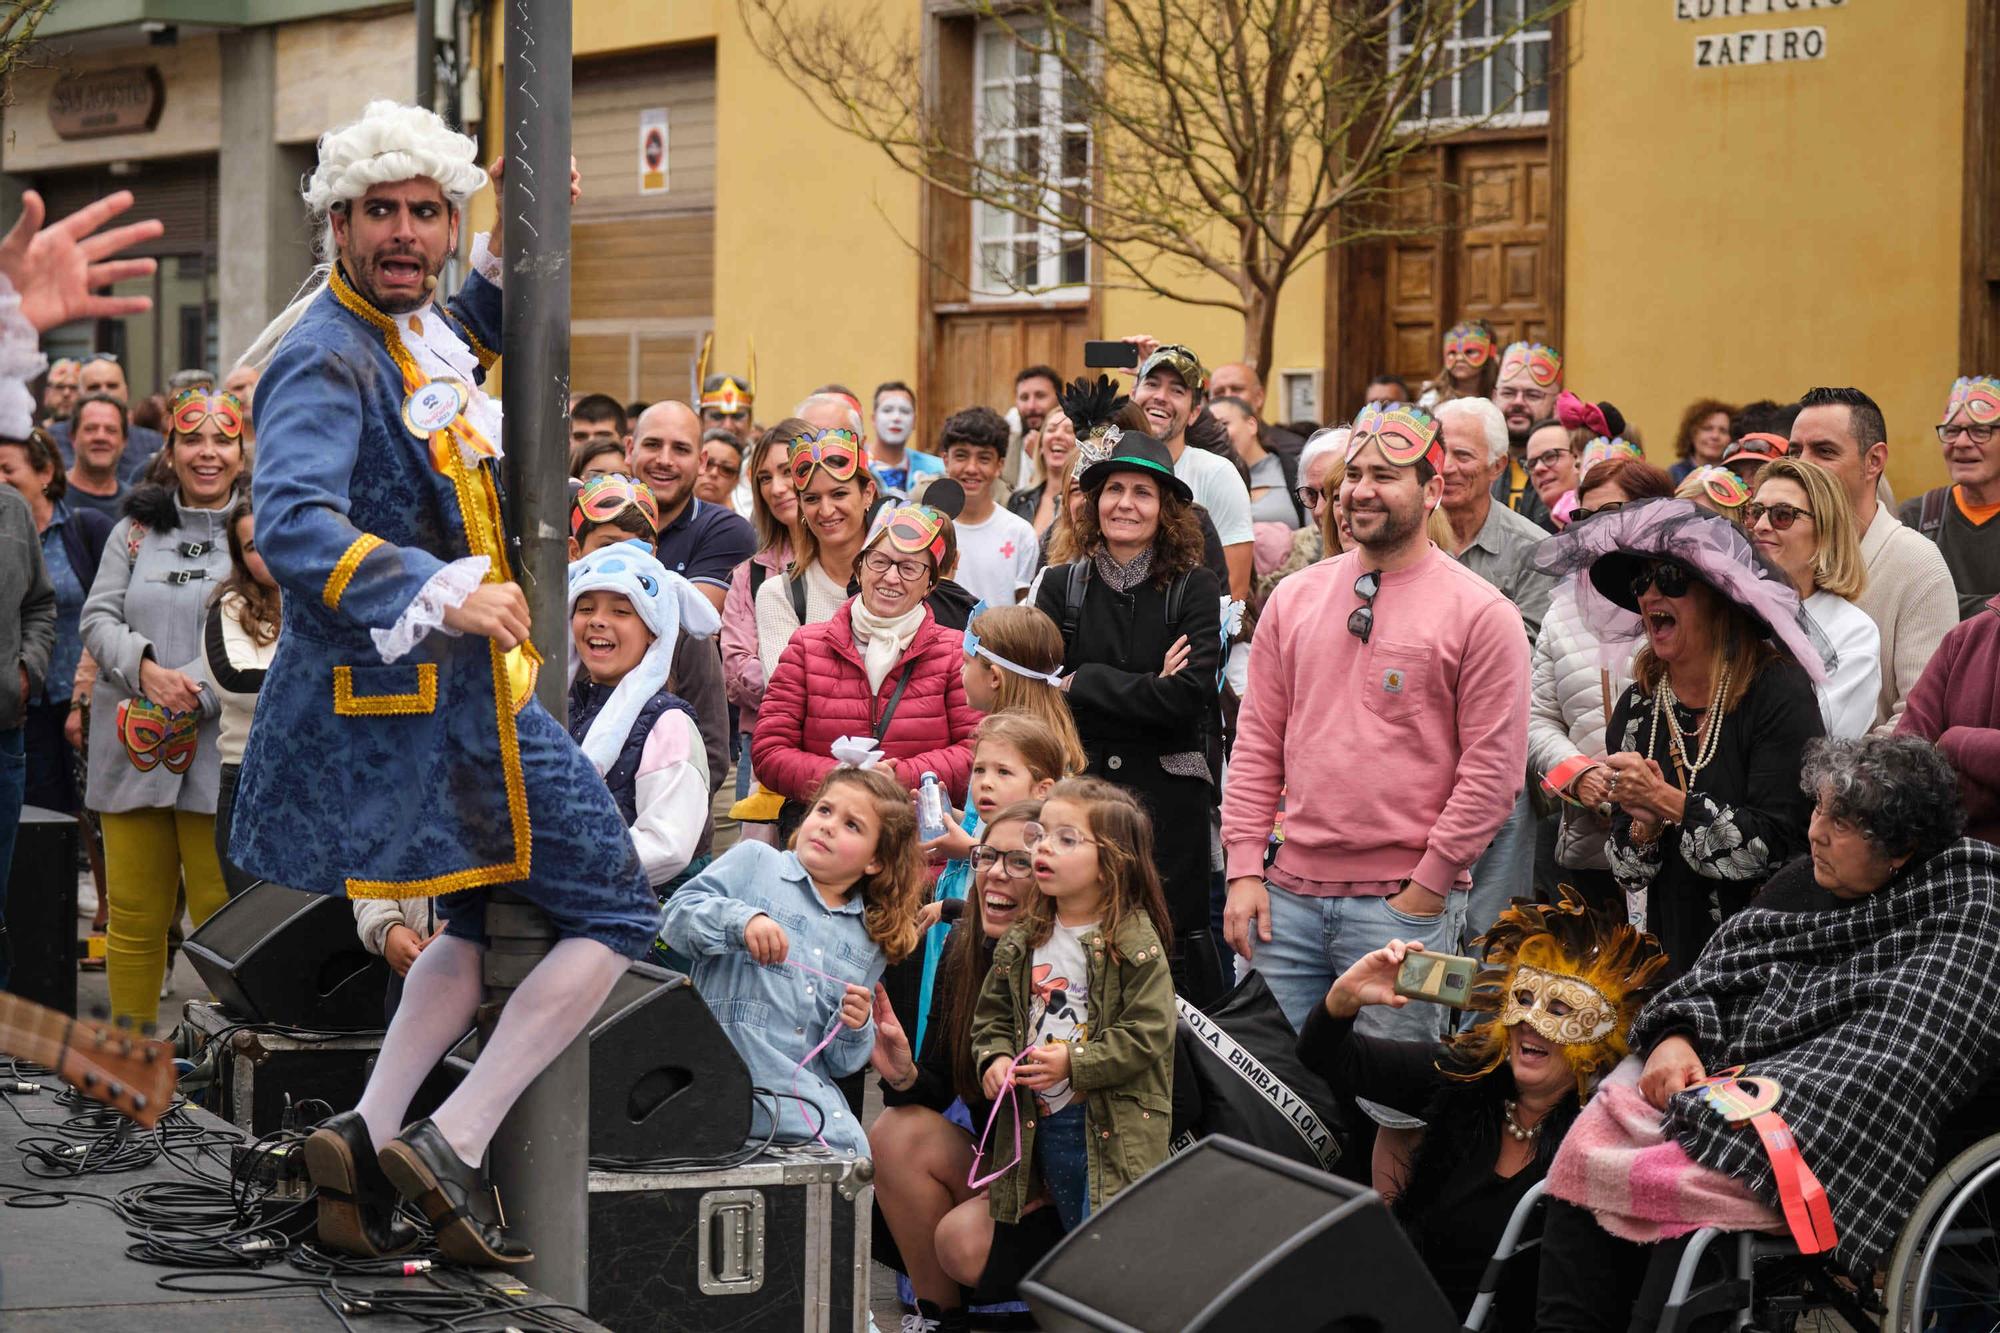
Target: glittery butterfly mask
(1469,341)
(192,407)
(1405,433)
(1978,396)
(1542,365)
(836,451)
(604,498)
(153,737)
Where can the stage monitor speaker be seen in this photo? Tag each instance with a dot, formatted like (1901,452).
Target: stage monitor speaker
(1279,1245)
(41,919)
(276,955)
(665,1080)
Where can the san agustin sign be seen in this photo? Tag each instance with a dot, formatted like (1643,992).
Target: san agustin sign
(126,100)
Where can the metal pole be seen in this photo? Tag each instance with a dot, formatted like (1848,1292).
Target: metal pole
(541,1154)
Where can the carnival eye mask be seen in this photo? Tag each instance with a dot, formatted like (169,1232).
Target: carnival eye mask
(1543,365)
(1406,434)
(605,497)
(1560,1009)
(195,406)
(837,451)
(917,530)
(1978,396)
(1468,341)
(152,736)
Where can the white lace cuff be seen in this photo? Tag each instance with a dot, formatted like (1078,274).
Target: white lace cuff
(442,592)
(484,262)
(21,360)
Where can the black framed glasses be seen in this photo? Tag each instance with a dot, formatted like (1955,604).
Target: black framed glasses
(881,562)
(1361,623)
(1977,434)
(1548,458)
(1019,864)
(1782,515)
(1310,496)
(1580,513)
(1671,577)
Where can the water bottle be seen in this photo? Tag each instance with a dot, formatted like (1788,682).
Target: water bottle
(931,814)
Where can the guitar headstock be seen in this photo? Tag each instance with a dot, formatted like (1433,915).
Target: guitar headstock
(130,1074)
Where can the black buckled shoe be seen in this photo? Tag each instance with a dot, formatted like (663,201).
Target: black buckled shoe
(357,1204)
(463,1209)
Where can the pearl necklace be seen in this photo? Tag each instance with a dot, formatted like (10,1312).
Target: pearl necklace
(1664,704)
(1520,1135)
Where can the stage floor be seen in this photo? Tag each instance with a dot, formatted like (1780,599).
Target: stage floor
(65,1267)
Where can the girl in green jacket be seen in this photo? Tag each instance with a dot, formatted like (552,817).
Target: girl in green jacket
(1079,988)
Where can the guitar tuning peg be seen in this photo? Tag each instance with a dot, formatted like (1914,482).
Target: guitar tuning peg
(138,1101)
(89,1079)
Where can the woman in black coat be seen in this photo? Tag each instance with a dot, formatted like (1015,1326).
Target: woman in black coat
(1141,621)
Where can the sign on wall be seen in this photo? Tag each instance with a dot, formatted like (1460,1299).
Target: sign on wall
(1690,10)
(653,150)
(126,100)
(1765,46)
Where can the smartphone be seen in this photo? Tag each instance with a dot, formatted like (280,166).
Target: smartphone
(1111,355)
(1441,978)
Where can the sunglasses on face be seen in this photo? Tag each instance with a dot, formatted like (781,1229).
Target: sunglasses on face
(1608,507)
(1362,622)
(1671,577)
(1019,865)
(1782,516)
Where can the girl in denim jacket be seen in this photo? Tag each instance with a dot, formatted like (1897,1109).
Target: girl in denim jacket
(788,946)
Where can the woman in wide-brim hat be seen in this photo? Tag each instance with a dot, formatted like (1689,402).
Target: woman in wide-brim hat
(1141,620)
(1706,743)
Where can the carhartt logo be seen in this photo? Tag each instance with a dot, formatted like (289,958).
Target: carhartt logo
(1392,681)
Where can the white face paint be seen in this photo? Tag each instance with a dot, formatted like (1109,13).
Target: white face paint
(895,415)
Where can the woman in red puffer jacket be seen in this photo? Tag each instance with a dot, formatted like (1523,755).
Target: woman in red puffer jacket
(881,671)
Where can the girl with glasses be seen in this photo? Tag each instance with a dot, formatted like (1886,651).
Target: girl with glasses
(1802,521)
(933,1107)
(1075,1024)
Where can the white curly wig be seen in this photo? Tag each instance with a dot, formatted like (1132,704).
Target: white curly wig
(391,142)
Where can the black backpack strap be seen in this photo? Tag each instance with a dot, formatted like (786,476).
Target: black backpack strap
(758,573)
(1076,589)
(796,586)
(1177,595)
(1931,517)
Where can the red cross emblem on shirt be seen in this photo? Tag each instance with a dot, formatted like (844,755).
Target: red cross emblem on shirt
(1007,550)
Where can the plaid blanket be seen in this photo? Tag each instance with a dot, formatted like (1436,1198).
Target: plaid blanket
(1876,1019)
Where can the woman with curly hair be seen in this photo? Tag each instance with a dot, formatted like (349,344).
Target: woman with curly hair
(1141,621)
(1702,438)
(1558,987)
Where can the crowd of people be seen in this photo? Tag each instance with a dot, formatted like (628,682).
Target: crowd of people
(1701,763)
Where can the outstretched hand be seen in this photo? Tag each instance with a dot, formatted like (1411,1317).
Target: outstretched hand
(58,269)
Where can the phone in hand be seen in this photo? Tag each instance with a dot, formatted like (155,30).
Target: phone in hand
(1440,978)
(1111,355)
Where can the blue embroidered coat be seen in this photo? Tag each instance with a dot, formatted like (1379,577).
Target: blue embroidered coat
(361,777)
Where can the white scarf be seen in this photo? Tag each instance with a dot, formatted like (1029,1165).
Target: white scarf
(882,641)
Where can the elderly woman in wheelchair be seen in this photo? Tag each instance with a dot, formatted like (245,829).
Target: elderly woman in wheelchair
(1559,986)
(1794,1081)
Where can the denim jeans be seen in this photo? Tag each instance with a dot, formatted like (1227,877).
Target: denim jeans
(745,775)
(1314,940)
(1504,872)
(13,788)
(1064,1157)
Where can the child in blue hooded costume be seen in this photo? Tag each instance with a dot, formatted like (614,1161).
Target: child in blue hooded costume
(397,750)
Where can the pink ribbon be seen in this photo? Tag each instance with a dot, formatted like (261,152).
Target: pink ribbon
(973,1180)
(810,1056)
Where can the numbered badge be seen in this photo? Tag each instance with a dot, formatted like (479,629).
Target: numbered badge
(434,406)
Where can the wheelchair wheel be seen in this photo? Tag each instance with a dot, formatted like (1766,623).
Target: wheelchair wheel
(1944,1273)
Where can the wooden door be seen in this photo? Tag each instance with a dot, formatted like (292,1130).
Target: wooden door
(977,353)
(1476,242)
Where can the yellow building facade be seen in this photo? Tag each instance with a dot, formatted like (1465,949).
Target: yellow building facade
(1727,198)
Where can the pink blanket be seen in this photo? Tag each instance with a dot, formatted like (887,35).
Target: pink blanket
(1617,1161)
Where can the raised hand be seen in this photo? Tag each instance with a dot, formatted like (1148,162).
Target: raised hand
(56,269)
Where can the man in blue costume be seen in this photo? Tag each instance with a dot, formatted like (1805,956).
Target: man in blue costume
(398,750)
